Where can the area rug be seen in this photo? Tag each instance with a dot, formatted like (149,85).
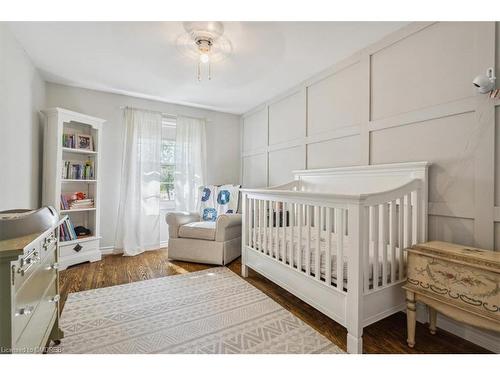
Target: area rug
(211,311)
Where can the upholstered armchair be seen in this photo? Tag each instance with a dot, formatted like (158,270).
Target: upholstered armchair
(212,242)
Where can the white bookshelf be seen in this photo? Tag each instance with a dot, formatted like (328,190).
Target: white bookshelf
(61,121)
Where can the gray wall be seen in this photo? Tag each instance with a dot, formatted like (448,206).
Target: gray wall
(408,97)
(22,95)
(223,147)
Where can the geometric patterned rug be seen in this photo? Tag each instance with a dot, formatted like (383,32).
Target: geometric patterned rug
(210,311)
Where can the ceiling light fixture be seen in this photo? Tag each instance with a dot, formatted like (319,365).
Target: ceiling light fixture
(205,42)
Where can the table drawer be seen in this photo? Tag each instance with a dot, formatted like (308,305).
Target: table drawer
(463,285)
(77,248)
(27,298)
(33,337)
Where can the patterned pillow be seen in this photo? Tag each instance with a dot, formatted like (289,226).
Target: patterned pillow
(227,199)
(215,201)
(207,203)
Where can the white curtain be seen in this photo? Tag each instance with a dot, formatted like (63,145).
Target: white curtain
(190,162)
(138,227)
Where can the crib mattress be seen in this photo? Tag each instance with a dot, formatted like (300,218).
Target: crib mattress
(274,235)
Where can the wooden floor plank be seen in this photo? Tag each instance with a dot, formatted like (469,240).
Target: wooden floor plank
(385,336)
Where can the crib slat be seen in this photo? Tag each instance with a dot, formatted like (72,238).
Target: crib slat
(409,226)
(249,222)
(366,256)
(283,232)
(291,208)
(375,232)
(417,220)
(339,233)
(264,226)
(259,224)
(393,234)
(299,228)
(328,246)
(276,242)
(384,241)
(255,223)
(401,236)
(308,240)
(317,224)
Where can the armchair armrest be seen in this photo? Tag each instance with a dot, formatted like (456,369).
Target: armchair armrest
(228,226)
(176,219)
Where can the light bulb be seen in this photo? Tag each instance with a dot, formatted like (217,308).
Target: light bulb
(204,58)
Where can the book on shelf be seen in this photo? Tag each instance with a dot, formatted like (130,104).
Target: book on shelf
(67,231)
(77,170)
(69,140)
(73,201)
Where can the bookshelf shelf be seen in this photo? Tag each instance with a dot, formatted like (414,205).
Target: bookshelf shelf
(79,240)
(78,151)
(59,162)
(77,210)
(67,180)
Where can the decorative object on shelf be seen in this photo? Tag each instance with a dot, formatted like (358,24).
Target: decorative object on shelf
(82,231)
(84,142)
(204,42)
(73,185)
(453,280)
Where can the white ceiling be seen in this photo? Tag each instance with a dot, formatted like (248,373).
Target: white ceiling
(141,58)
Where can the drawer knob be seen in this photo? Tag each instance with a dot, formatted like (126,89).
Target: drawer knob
(78,247)
(53,266)
(25,311)
(55,299)
(27,263)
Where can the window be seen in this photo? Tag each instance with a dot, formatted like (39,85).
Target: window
(167,161)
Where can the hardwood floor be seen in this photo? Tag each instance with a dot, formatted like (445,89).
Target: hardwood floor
(385,336)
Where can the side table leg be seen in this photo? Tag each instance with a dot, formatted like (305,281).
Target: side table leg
(432,320)
(411,317)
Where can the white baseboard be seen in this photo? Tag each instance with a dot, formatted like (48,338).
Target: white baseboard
(106,250)
(487,339)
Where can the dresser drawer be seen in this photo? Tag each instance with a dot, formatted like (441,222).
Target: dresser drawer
(47,258)
(24,267)
(48,244)
(27,298)
(77,248)
(33,336)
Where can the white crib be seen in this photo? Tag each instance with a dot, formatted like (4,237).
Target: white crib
(363,215)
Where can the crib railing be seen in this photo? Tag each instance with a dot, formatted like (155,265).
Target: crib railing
(323,236)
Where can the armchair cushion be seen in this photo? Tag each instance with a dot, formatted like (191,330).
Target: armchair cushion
(200,230)
(176,219)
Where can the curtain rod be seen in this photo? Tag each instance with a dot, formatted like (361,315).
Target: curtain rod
(164,113)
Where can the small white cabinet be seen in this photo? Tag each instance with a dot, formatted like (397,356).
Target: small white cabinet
(61,123)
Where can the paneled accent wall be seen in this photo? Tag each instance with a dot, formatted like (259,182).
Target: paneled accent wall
(408,97)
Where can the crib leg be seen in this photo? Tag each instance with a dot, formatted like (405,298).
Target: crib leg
(244,270)
(354,343)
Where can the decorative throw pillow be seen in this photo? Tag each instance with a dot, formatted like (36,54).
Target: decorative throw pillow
(207,203)
(227,199)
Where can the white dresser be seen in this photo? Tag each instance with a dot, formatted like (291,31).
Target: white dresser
(29,292)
